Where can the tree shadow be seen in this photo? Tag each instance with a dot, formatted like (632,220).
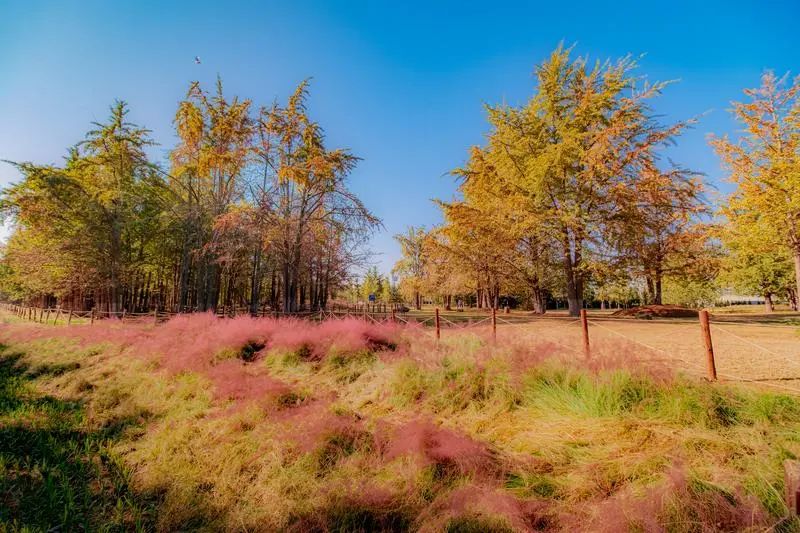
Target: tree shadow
(54,475)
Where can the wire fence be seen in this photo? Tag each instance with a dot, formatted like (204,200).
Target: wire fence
(741,351)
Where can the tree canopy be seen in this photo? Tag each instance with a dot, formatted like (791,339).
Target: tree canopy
(253,211)
(571,197)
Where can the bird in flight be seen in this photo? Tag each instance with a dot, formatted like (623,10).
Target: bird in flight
(197,59)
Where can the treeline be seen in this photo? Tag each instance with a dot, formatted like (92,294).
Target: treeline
(572,198)
(253,210)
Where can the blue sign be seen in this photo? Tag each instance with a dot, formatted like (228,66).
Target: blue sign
(372,297)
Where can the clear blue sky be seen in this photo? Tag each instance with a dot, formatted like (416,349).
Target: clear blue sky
(402,84)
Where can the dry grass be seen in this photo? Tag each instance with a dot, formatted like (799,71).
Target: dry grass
(354,428)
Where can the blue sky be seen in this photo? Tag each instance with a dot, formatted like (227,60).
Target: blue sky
(402,84)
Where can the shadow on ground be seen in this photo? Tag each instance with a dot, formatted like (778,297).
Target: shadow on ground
(54,475)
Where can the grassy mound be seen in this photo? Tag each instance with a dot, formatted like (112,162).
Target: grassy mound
(397,435)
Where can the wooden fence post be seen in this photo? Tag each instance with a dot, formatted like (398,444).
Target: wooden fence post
(47,318)
(585,328)
(791,483)
(91,322)
(124,312)
(58,314)
(69,318)
(706,331)
(155,316)
(394,318)
(494,323)
(438,330)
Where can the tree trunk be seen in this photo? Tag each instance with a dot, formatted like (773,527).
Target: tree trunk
(791,296)
(539,301)
(574,285)
(797,269)
(768,307)
(287,288)
(649,290)
(255,283)
(657,294)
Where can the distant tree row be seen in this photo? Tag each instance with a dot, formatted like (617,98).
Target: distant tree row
(571,198)
(253,210)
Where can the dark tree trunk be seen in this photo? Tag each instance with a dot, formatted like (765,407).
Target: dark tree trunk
(791,296)
(255,283)
(539,301)
(797,268)
(573,277)
(657,286)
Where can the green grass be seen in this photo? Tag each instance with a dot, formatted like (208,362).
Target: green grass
(53,471)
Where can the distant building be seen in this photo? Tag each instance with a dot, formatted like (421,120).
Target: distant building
(730,297)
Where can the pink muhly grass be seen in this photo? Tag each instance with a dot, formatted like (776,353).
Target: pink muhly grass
(193,342)
(486,503)
(433,445)
(233,381)
(189,340)
(676,501)
(309,425)
(343,336)
(105,332)
(611,355)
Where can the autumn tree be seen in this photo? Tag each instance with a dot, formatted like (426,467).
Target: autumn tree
(94,220)
(571,152)
(307,193)
(412,265)
(657,230)
(515,250)
(554,182)
(207,168)
(254,211)
(757,262)
(372,284)
(764,162)
(475,247)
